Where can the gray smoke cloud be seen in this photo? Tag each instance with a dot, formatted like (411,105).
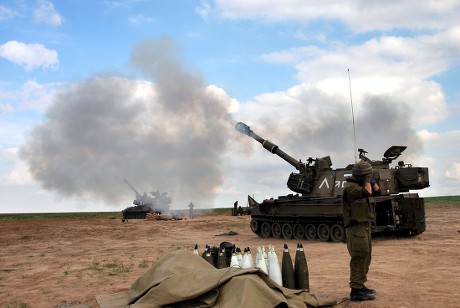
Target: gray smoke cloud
(322,125)
(386,122)
(168,134)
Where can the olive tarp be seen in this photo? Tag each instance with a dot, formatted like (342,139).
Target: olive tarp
(182,279)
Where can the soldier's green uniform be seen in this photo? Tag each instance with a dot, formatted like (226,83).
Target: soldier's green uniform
(358,216)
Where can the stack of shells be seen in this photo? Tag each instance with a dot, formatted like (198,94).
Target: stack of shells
(289,275)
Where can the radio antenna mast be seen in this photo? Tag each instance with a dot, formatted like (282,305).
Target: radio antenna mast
(352,116)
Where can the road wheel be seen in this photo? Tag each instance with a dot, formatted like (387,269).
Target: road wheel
(324,233)
(254,226)
(287,231)
(265,230)
(276,230)
(310,232)
(299,232)
(338,233)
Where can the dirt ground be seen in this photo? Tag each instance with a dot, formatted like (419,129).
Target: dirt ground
(65,262)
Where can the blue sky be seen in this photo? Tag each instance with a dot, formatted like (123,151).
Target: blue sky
(92,92)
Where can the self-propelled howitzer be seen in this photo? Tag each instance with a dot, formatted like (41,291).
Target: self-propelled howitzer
(144,204)
(315,211)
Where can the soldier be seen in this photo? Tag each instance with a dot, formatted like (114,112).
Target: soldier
(191,206)
(357,218)
(235,208)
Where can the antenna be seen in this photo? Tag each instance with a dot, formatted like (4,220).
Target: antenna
(352,116)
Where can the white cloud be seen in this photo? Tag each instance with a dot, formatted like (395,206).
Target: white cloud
(35,96)
(442,159)
(7,13)
(293,55)
(122,4)
(204,9)
(46,13)
(453,171)
(358,15)
(441,141)
(29,56)
(313,36)
(16,170)
(19,175)
(397,67)
(30,96)
(140,19)
(222,96)
(21,108)
(416,57)
(6,108)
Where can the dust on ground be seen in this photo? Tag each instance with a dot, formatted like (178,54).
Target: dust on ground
(65,262)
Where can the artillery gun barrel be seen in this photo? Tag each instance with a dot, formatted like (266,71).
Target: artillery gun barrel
(268,145)
(138,195)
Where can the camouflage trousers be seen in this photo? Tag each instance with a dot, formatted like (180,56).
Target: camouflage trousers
(359,246)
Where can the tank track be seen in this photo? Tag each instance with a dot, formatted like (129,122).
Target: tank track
(134,215)
(135,212)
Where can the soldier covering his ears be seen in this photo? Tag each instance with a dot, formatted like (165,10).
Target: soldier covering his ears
(358,216)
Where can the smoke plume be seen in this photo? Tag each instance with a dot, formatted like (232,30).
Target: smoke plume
(168,133)
(316,124)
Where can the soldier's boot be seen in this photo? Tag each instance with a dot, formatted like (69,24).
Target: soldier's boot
(358,295)
(368,291)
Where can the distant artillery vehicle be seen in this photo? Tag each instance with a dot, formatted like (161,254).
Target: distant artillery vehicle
(144,204)
(315,212)
(240,211)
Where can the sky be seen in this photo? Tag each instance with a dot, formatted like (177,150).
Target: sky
(94,92)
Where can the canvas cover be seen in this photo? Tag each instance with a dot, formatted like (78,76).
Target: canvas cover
(182,279)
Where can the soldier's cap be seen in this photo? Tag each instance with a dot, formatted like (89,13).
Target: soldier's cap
(362,168)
